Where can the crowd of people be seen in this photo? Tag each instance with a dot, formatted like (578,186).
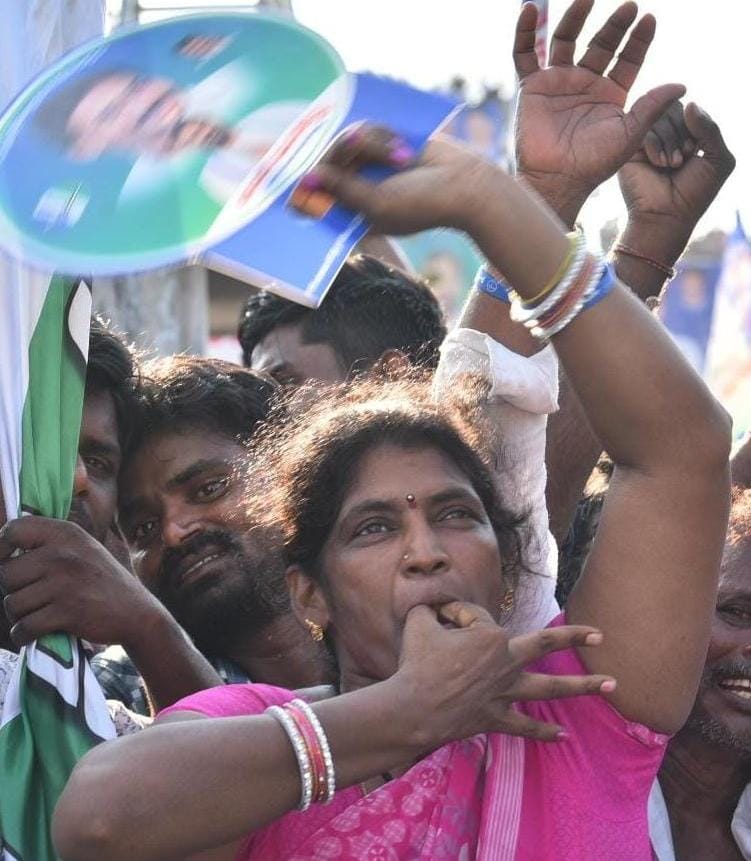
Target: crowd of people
(327,581)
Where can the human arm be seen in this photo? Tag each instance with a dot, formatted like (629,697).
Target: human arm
(660,537)
(219,779)
(66,581)
(666,185)
(661,533)
(664,204)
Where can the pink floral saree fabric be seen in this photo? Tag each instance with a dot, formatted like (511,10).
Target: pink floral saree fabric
(492,797)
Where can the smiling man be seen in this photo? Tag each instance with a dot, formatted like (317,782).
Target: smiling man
(702,806)
(183,516)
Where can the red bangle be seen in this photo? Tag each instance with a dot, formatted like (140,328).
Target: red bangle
(667,271)
(315,753)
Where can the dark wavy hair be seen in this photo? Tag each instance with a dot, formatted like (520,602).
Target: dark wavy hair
(182,393)
(369,309)
(113,367)
(303,466)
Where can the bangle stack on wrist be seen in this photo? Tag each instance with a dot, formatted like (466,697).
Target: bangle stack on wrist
(582,280)
(585,281)
(308,740)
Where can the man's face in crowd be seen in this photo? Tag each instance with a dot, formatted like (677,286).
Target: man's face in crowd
(722,712)
(126,112)
(95,481)
(285,356)
(182,512)
(98,462)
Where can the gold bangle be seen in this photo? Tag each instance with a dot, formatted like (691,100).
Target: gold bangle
(573,238)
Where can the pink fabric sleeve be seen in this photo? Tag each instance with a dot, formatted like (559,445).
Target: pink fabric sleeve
(593,787)
(231,701)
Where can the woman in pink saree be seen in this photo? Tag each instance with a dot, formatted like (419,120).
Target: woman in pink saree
(448,738)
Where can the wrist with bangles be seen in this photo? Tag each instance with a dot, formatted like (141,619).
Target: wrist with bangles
(620,247)
(312,751)
(582,280)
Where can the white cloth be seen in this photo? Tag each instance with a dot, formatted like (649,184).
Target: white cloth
(126,722)
(662,837)
(523,391)
(36,32)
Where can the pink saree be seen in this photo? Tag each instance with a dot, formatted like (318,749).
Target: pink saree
(492,797)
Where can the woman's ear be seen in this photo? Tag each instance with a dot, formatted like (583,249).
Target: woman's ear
(308,601)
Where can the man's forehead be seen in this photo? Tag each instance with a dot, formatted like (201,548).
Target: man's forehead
(284,351)
(99,419)
(162,458)
(277,346)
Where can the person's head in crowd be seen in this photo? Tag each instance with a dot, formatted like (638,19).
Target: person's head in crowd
(334,489)
(722,713)
(106,425)
(373,313)
(106,428)
(181,500)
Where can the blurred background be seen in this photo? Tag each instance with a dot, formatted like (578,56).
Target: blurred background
(465,47)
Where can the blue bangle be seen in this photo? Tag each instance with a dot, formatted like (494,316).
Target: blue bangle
(608,280)
(486,283)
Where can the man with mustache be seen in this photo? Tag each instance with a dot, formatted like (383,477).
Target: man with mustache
(701,808)
(182,514)
(65,579)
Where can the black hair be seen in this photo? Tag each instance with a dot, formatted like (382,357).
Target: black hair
(112,367)
(190,392)
(582,531)
(369,309)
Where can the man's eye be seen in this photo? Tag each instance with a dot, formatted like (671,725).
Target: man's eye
(212,489)
(98,464)
(737,615)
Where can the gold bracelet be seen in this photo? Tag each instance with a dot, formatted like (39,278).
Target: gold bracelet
(566,262)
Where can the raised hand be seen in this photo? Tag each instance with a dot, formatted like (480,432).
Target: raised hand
(468,676)
(448,185)
(436,189)
(572,129)
(671,181)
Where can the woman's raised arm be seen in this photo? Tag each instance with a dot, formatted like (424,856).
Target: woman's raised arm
(651,578)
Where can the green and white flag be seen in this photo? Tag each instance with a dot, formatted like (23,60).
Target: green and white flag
(54,709)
